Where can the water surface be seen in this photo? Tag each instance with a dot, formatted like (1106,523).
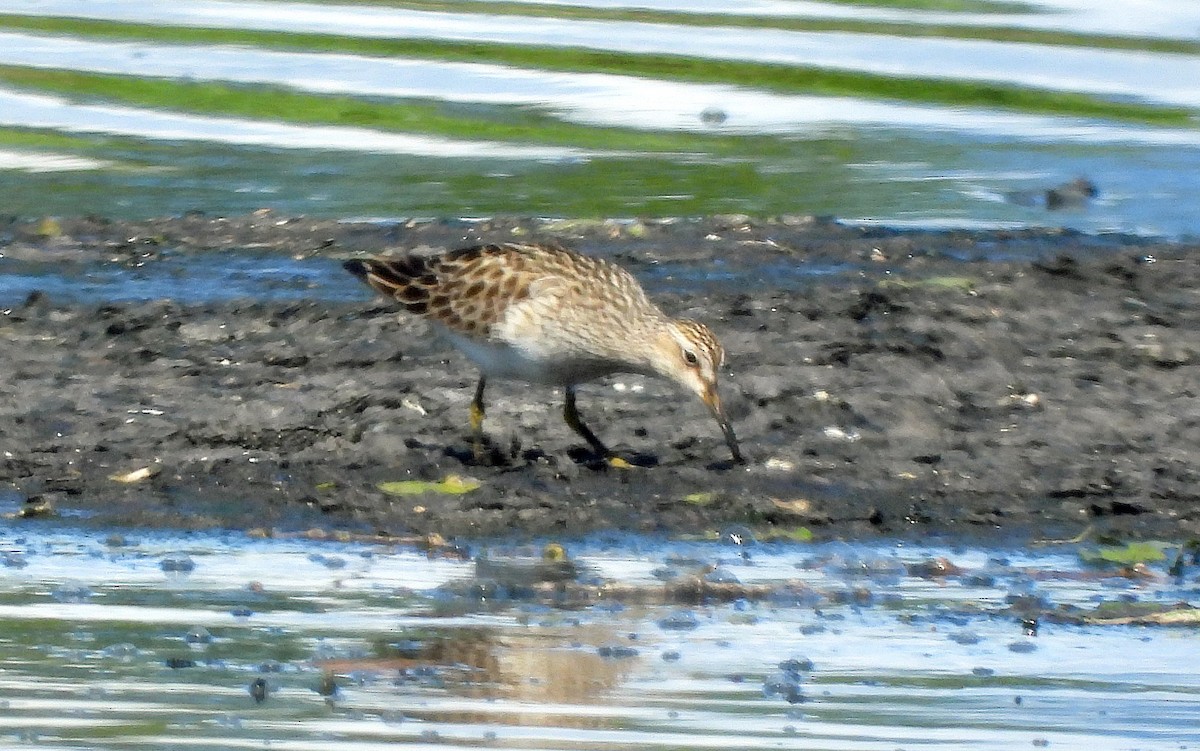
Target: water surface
(124,638)
(425,134)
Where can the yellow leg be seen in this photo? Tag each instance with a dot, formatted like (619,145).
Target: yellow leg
(477,413)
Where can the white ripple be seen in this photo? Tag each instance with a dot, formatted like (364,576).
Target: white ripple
(30,161)
(587,98)
(1156,77)
(1167,19)
(24,110)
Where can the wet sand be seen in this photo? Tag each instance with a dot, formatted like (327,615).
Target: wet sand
(1028,384)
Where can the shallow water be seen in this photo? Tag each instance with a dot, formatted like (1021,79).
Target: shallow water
(1158,18)
(130,638)
(1161,77)
(245,275)
(120,639)
(860,158)
(185,278)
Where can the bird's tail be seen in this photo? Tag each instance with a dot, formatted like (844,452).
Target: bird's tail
(407,279)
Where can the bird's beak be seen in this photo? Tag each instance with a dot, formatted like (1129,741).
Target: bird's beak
(713,401)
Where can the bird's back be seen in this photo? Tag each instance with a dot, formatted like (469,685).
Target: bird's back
(486,291)
(530,312)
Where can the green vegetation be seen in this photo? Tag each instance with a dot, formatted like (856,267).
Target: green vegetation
(953,283)
(1125,555)
(399,185)
(450,485)
(787,534)
(630,173)
(523,125)
(469,6)
(953,6)
(42,139)
(997,33)
(778,78)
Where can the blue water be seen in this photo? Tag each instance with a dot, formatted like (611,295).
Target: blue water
(238,274)
(863,160)
(124,638)
(186,278)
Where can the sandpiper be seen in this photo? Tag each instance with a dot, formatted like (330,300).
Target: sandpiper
(547,315)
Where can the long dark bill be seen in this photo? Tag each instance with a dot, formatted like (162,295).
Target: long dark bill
(713,401)
(731,440)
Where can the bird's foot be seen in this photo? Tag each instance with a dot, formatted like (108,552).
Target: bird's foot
(617,462)
(606,460)
(478,454)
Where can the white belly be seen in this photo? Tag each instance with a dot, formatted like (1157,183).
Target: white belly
(504,361)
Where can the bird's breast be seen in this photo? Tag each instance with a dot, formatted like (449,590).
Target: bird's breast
(501,360)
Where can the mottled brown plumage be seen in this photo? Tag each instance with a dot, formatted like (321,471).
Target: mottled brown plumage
(549,315)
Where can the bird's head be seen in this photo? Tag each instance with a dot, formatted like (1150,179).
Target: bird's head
(691,356)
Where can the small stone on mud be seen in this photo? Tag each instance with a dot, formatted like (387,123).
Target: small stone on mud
(258,690)
(198,635)
(680,620)
(177,564)
(136,475)
(617,652)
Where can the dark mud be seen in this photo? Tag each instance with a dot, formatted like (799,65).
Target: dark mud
(1030,384)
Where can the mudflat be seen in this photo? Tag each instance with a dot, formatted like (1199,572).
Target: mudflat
(1034,384)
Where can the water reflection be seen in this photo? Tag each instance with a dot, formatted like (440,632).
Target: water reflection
(1151,76)
(551,666)
(486,139)
(834,646)
(39,111)
(587,98)
(71,275)
(1173,19)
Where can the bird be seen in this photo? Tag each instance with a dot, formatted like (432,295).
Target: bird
(544,314)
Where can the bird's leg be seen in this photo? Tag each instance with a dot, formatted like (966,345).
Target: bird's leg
(477,412)
(571,415)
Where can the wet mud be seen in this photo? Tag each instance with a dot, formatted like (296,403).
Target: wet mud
(1035,384)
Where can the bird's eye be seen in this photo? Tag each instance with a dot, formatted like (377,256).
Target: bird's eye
(690,357)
